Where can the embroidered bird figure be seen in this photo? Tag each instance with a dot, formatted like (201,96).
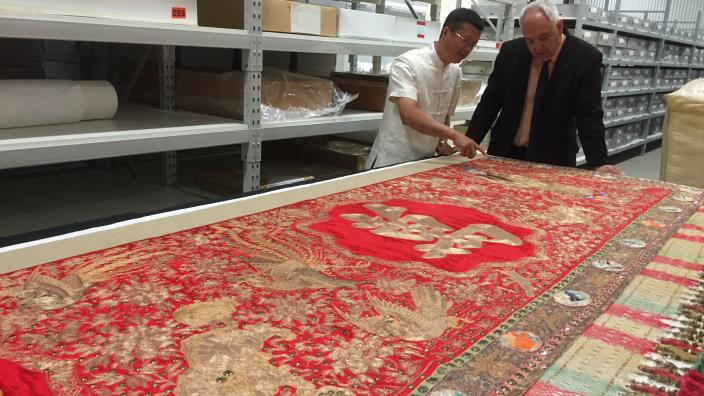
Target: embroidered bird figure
(285,264)
(45,292)
(428,321)
(293,275)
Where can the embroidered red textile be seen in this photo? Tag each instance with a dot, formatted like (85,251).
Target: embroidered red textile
(18,381)
(363,242)
(368,291)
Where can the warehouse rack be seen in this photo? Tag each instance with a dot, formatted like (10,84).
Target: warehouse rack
(141,129)
(639,47)
(655,70)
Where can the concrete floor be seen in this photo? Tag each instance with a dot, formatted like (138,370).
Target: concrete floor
(645,166)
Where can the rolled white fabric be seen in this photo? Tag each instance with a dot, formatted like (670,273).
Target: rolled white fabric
(43,102)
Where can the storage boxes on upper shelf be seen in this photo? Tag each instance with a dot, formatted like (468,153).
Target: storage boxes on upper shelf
(596,14)
(293,17)
(366,25)
(416,31)
(277,16)
(182,12)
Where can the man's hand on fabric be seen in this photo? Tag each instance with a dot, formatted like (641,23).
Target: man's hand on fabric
(608,169)
(466,146)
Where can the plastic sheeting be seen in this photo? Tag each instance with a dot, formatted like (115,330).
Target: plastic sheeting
(284,95)
(683,136)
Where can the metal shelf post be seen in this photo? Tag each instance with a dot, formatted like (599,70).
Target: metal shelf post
(252,68)
(167,101)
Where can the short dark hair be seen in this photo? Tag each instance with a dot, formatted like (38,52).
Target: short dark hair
(457,17)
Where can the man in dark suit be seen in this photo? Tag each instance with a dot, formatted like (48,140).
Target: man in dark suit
(546,86)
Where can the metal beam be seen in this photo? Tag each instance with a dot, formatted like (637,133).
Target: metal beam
(252,66)
(167,101)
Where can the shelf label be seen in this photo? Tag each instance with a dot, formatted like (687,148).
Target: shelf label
(420,29)
(178,13)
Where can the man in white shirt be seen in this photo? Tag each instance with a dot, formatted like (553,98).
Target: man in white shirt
(424,87)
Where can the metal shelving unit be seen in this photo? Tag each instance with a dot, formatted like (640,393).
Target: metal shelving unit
(587,18)
(134,130)
(583,16)
(140,130)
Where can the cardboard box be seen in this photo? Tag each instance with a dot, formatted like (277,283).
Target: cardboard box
(343,153)
(370,87)
(365,25)
(183,12)
(416,31)
(277,16)
(220,93)
(229,181)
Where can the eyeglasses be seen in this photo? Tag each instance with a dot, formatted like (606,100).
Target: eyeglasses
(465,41)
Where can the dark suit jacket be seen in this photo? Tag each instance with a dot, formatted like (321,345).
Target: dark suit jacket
(571,102)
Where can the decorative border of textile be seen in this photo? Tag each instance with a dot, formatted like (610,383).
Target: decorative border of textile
(654,328)
(490,368)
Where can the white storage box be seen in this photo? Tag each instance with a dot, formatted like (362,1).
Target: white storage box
(408,30)
(183,12)
(595,13)
(638,23)
(365,25)
(605,38)
(590,36)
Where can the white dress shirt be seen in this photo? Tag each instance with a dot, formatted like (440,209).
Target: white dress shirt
(419,75)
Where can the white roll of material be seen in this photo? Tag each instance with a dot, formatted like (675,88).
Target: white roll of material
(44,102)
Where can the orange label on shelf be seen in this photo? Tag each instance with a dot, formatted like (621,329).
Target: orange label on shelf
(178,13)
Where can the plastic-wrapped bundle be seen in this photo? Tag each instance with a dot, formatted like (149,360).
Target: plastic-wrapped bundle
(683,136)
(285,95)
(43,102)
(470,92)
